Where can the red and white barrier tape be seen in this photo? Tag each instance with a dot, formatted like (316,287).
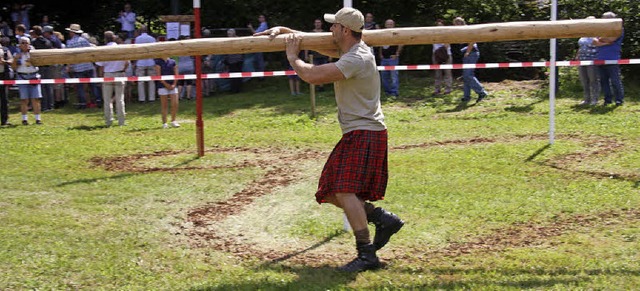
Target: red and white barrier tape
(291,72)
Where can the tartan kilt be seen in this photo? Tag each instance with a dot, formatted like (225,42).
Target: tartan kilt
(357,164)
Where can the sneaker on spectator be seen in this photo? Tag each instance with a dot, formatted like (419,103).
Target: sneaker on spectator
(175,124)
(164,125)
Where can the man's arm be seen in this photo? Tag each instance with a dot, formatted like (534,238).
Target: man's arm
(323,74)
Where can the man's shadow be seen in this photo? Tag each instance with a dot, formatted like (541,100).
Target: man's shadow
(305,275)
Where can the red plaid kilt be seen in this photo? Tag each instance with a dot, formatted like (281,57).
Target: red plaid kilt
(358,164)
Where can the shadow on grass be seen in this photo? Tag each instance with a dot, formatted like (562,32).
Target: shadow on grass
(87,181)
(460,107)
(87,127)
(591,109)
(316,245)
(524,108)
(538,152)
(307,277)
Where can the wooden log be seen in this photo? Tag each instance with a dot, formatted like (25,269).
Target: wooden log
(507,31)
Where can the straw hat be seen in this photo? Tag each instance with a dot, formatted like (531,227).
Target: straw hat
(75,28)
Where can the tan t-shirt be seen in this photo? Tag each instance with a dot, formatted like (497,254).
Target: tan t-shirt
(358,96)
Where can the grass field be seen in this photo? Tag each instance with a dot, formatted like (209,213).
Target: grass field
(488,203)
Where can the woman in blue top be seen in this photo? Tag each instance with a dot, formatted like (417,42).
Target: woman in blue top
(167,67)
(471,56)
(589,76)
(610,48)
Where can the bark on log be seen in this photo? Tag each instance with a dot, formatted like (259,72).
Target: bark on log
(508,31)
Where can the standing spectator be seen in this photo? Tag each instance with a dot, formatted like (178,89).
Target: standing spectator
(258,58)
(186,65)
(610,48)
(19,31)
(167,67)
(294,80)
(20,14)
(5,29)
(207,68)
(233,62)
(127,19)
(438,74)
(116,89)
(7,60)
(26,71)
(40,42)
(390,56)
(471,56)
(81,70)
(145,67)
(356,170)
(61,70)
(47,32)
(45,21)
(318,58)
(589,77)
(128,72)
(369,23)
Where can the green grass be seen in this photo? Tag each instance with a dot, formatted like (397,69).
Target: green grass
(459,176)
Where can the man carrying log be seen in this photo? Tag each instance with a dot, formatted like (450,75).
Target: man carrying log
(356,170)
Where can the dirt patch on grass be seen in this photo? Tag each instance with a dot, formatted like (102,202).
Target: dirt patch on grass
(526,234)
(201,231)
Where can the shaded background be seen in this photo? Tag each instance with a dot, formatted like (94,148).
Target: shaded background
(96,17)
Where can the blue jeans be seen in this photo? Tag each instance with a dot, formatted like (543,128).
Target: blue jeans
(470,80)
(610,78)
(82,99)
(390,81)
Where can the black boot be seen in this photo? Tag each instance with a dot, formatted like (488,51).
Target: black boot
(366,260)
(387,224)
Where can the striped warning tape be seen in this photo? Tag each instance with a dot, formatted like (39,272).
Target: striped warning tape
(291,72)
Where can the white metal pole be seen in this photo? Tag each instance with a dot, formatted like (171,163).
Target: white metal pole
(346,225)
(552,79)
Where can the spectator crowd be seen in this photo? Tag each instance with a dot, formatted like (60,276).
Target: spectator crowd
(17,29)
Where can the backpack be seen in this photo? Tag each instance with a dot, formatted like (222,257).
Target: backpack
(441,55)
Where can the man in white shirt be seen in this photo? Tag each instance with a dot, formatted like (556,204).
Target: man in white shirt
(128,20)
(145,67)
(115,89)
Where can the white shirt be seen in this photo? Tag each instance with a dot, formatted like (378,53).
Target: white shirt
(438,45)
(113,66)
(145,38)
(128,20)
(23,68)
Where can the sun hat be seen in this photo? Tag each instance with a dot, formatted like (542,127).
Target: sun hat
(348,17)
(74,28)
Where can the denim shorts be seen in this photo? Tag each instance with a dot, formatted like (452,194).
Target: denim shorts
(28,91)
